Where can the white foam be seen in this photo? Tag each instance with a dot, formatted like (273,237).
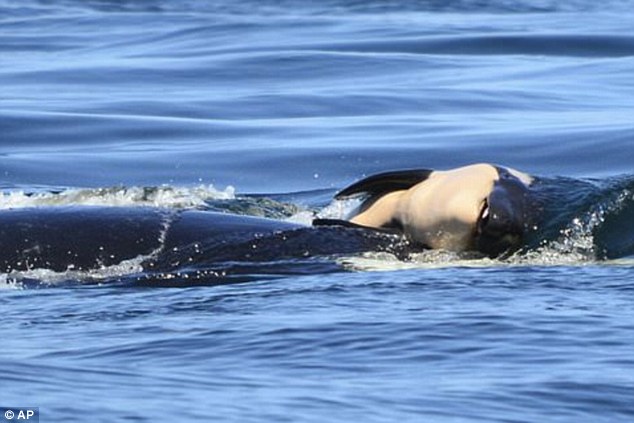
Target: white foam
(430,259)
(8,283)
(162,196)
(304,217)
(434,259)
(339,209)
(15,279)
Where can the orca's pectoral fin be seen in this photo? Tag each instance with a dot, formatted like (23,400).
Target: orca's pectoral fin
(382,183)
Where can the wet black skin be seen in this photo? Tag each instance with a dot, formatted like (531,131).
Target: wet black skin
(91,237)
(86,237)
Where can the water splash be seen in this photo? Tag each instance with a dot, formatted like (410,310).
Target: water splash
(339,209)
(162,196)
(256,206)
(429,259)
(577,241)
(47,277)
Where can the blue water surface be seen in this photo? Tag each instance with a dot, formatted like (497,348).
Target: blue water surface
(293,100)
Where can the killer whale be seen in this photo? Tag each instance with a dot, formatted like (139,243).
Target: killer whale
(85,238)
(479,207)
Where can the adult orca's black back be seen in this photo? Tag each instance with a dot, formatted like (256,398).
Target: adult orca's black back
(59,238)
(83,238)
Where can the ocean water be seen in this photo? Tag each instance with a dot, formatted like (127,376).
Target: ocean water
(268,108)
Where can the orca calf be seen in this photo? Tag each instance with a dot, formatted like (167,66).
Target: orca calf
(480,207)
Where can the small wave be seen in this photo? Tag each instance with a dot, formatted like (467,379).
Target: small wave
(339,209)
(439,259)
(572,45)
(429,259)
(575,244)
(581,221)
(48,277)
(259,206)
(162,196)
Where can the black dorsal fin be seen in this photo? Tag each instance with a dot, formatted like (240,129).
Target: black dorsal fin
(380,184)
